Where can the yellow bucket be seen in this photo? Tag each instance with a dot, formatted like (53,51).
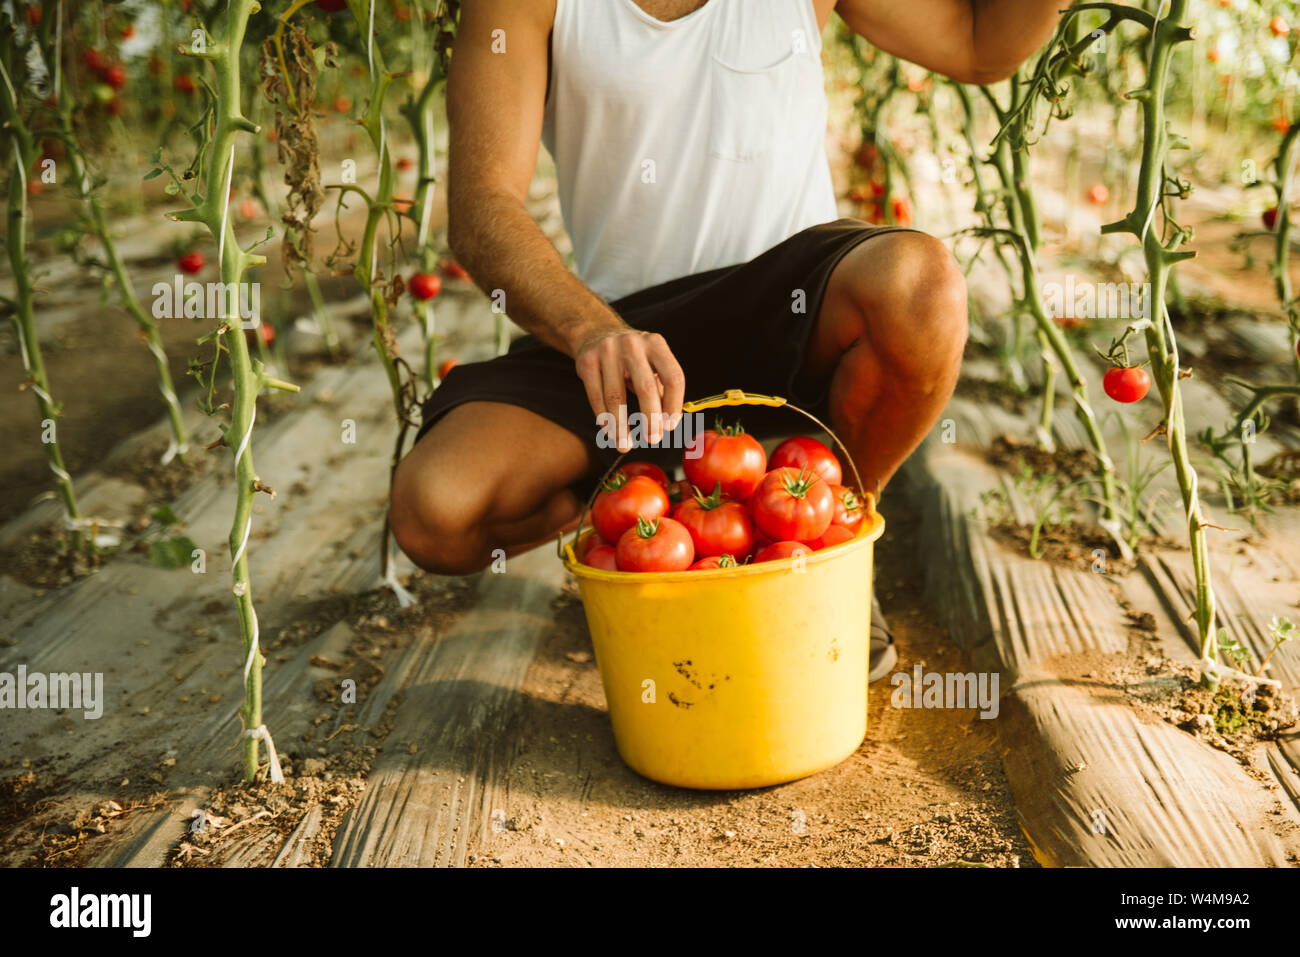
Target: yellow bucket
(736,677)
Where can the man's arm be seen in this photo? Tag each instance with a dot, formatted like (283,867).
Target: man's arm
(972,41)
(495,103)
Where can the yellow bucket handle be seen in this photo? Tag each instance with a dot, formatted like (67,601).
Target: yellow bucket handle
(728,398)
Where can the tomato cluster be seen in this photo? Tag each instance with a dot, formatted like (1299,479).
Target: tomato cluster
(735,506)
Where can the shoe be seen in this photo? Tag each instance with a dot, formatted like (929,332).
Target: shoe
(883,654)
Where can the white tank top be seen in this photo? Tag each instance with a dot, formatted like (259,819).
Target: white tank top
(687,145)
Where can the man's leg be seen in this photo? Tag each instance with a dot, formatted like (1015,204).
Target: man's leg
(488,475)
(890,336)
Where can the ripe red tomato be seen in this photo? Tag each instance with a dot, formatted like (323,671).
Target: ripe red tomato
(405,163)
(1270,219)
(446,366)
(1279,27)
(648,469)
(715,561)
(191,263)
(93,60)
(717,527)
(1099,194)
(901,210)
(802,452)
(115,76)
(779,550)
(424,285)
(622,500)
(848,508)
(1126,385)
(185,84)
(267,332)
(33,16)
(453,270)
(834,535)
(657,545)
(331,6)
(602,556)
(726,456)
(342,104)
(792,505)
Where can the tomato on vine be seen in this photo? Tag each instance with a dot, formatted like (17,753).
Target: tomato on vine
(1126,384)
(424,285)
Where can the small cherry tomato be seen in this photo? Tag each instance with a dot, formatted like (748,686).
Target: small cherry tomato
(848,508)
(1270,219)
(192,263)
(1279,27)
(184,83)
(115,76)
(453,270)
(424,285)
(1126,384)
(1099,194)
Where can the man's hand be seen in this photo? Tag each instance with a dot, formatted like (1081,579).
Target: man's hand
(607,361)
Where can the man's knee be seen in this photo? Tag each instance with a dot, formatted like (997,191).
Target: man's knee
(916,308)
(435,518)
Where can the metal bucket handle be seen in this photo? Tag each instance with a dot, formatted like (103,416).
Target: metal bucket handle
(730,397)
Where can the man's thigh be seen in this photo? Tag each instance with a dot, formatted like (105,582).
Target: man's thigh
(491,462)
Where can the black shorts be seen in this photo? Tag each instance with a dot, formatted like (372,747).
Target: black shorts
(737,327)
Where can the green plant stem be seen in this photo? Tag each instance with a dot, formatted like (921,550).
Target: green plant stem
(22,154)
(211,211)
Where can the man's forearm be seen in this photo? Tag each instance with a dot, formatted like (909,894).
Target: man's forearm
(502,247)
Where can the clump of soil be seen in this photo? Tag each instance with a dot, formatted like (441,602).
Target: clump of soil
(1072,545)
(49,559)
(997,391)
(1015,455)
(163,483)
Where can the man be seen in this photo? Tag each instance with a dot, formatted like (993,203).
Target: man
(688,138)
